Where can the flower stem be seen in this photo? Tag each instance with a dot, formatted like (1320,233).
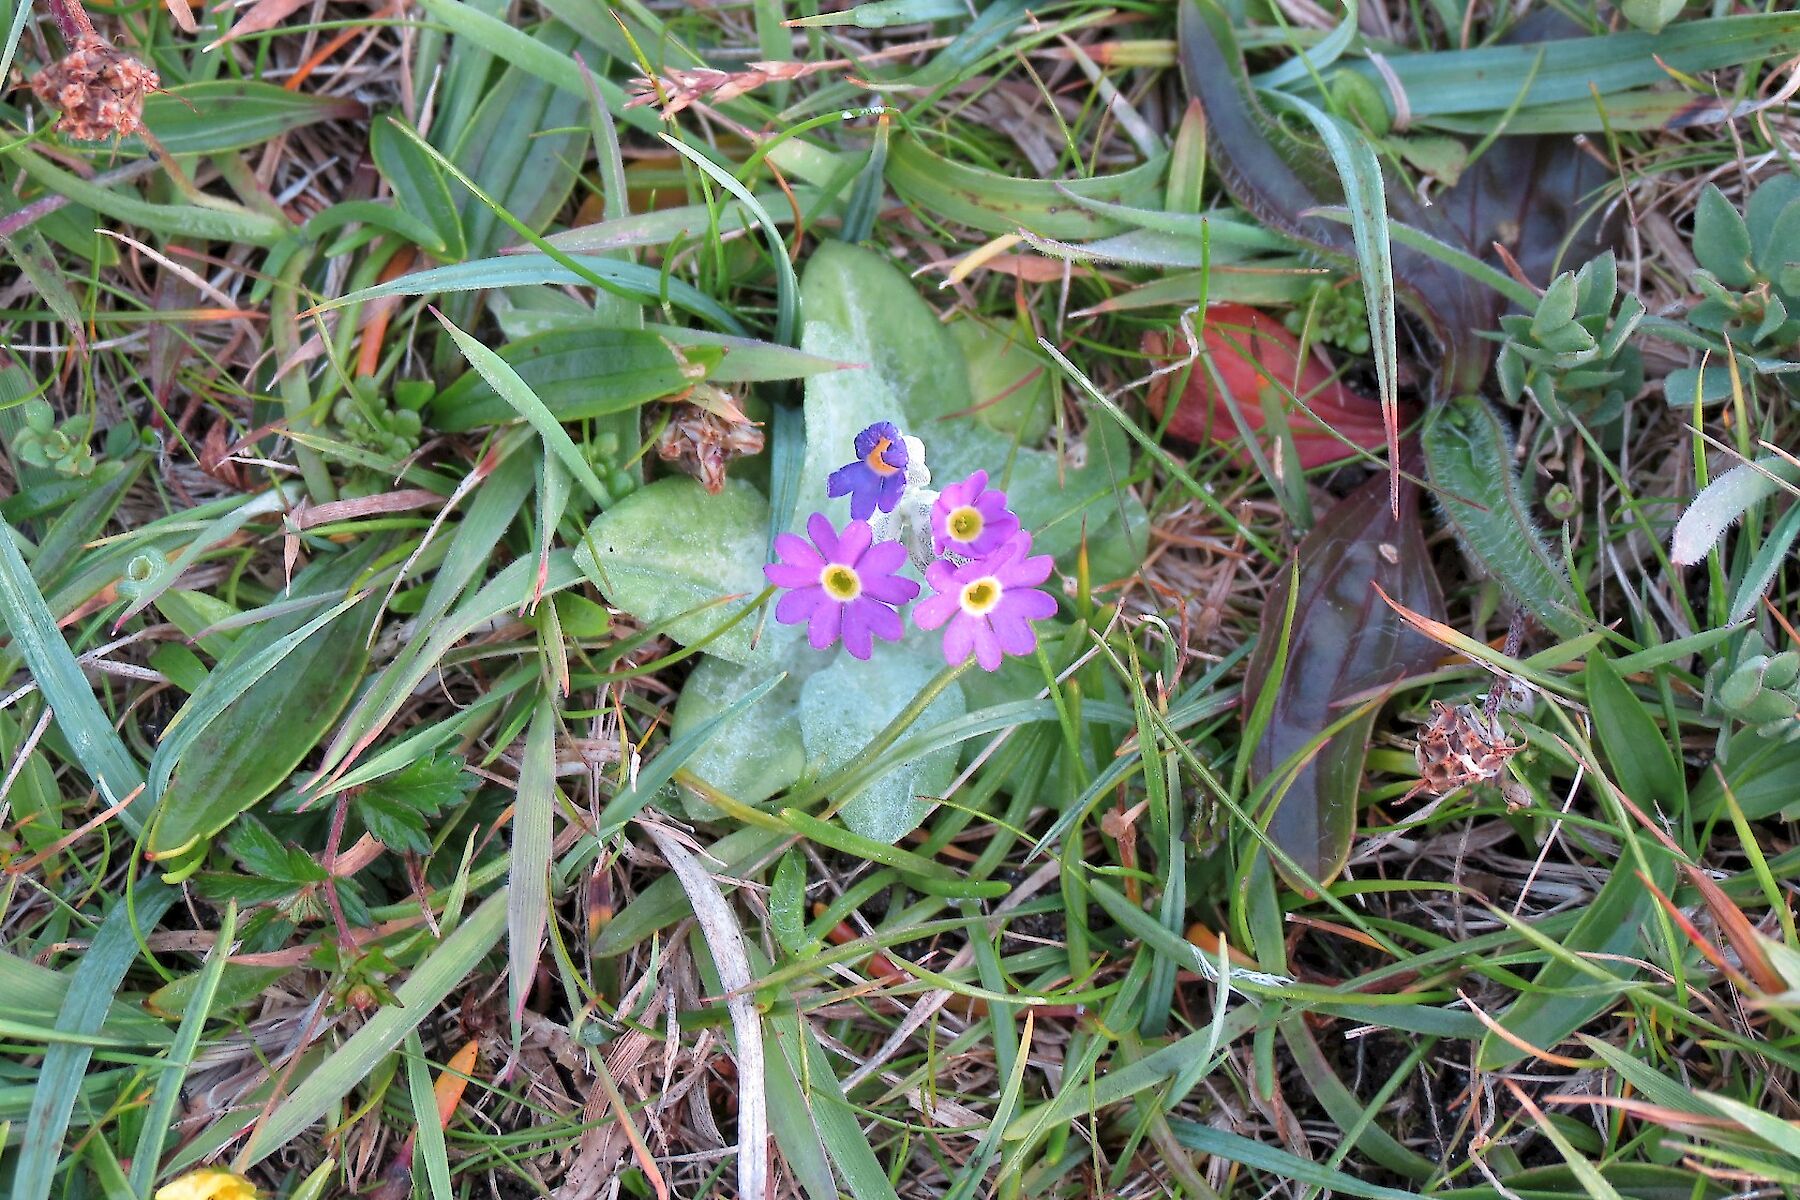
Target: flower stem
(72,19)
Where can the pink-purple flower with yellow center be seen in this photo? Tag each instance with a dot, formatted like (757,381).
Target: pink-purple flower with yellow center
(970,520)
(841,585)
(877,477)
(987,606)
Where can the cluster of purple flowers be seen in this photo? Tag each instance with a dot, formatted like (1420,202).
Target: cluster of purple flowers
(847,585)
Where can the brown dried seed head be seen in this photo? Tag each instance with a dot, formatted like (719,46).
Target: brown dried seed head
(701,442)
(1459,747)
(98,90)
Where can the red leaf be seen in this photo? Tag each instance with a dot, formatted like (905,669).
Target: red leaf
(1253,353)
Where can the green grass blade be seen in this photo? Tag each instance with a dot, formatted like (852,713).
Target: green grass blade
(516,392)
(528,897)
(1277,1162)
(421,992)
(96,977)
(1365,195)
(428,1133)
(787,284)
(159,1117)
(98,749)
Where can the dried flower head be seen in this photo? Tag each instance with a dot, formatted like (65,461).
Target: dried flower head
(676,88)
(99,91)
(1461,746)
(701,442)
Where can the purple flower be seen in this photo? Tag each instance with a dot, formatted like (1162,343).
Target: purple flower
(969,520)
(989,604)
(877,477)
(846,586)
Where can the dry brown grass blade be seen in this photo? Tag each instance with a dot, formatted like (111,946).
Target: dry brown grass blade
(1674,1118)
(305,515)
(726,941)
(1701,943)
(1736,926)
(1515,1041)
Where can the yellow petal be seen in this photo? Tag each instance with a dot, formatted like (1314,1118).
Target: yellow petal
(208,1183)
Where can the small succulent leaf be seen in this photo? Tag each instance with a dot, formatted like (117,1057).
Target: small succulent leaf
(1773,215)
(1556,310)
(1774,317)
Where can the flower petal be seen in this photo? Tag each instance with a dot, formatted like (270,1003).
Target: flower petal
(1013,633)
(959,638)
(818,527)
(887,498)
(1017,570)
(857,636)
(827,620)
(1028,604)
(863,500)
(842,481)
(883,558)
(869,438)
(852,542)
(889,588)
(882,620)
(987,647)
(790,575)
(791,547)
(929,614)
(797,606)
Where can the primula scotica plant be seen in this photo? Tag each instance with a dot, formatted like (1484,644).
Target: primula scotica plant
(965,539)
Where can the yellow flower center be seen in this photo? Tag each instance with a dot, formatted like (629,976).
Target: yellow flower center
(979,598)
(965,523)
(875,462)
(840,582)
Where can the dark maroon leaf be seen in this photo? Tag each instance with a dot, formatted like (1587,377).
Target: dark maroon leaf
(1284,181)
(1535,195)
(1345,640)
